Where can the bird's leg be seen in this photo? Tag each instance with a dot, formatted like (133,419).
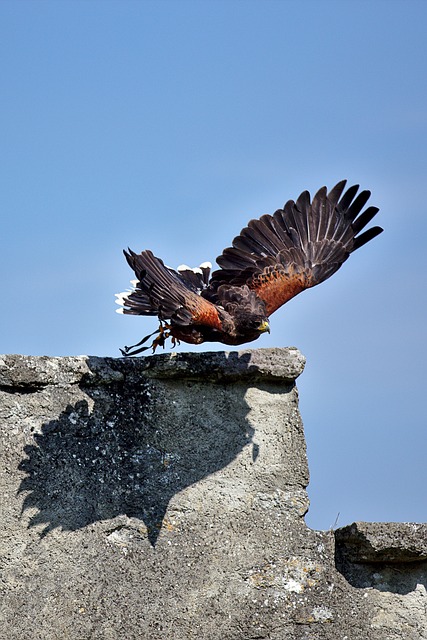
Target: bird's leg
(132,351)
(163,335)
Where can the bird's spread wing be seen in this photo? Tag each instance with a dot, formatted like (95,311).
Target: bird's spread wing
(163,292)
(301,245)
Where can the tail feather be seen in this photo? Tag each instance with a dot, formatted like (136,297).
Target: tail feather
(196,279)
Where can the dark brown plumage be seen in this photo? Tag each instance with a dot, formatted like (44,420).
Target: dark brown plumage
(271,261)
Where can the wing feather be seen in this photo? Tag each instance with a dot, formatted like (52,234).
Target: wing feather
(160,291)
(297,247)
(278,285)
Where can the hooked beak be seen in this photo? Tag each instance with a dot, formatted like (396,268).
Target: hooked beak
(264,326)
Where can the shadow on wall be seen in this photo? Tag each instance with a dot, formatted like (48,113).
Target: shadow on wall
(132,451)
(399,574)
(396,578)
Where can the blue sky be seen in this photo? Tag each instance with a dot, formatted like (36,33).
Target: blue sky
(168,125)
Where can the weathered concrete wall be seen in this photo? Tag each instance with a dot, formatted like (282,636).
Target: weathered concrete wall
(164,497)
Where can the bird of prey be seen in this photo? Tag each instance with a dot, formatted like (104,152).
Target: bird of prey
(270,261)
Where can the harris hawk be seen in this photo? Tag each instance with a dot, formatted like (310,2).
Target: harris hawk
(272,260)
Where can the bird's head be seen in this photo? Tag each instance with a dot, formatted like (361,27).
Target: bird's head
(253,325)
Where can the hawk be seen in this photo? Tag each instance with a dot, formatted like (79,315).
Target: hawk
(270,261)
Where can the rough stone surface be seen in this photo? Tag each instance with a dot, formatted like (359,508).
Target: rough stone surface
(391,542)
(164,497)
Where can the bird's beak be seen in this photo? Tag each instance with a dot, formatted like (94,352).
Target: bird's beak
(264,326)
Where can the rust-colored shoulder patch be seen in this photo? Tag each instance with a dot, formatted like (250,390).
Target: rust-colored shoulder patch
(276,285)
(203,311)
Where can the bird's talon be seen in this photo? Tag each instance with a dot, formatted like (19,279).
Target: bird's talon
(162,336)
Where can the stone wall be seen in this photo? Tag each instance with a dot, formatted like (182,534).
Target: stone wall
(164,497)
